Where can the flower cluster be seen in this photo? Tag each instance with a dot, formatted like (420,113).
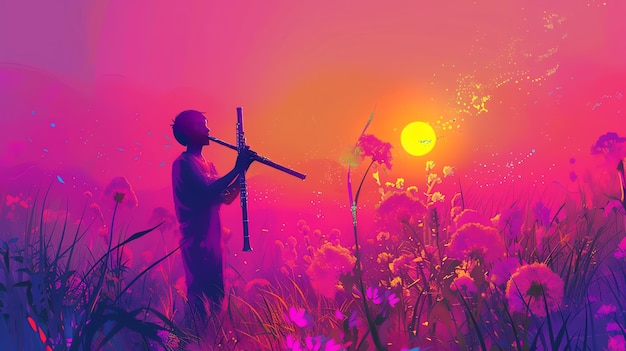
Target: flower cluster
(329,262)
(477,242)
(533,287)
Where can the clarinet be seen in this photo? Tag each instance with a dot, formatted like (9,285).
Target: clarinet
(243,192)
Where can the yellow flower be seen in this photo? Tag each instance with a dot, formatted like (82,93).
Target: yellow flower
(430,165)
(448,171)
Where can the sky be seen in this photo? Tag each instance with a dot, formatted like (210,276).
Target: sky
(516,91)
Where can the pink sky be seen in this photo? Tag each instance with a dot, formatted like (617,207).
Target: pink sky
(88,89)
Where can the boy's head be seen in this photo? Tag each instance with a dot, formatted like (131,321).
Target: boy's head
(190,127)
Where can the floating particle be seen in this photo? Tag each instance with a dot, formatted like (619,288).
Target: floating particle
(32,112)
(53,124)
(45,150)
(120,149)
(162,164)
(60,179)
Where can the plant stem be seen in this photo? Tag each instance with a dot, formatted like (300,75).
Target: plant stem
(358,269)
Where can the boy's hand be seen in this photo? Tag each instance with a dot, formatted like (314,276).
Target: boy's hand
(245,158)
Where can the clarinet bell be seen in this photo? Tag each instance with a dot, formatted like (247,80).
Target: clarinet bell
(246,244)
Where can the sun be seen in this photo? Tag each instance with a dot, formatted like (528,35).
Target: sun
(418,138)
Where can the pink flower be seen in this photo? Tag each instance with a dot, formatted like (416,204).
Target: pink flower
(468,216)
(370,146)
(402,264)
(617,343)
(329,262)
(293,344)
(478,242)
(392,299)
(605,310)
(532,287)
(464,283)
(613,327)
(299,316)
(502,270)
(121,191)
(372,294)
(397,210)
(614,206)
(510,222)
(620,252)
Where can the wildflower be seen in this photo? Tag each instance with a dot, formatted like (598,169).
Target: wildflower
(617,343)
(392,299)
(448,171)
(169,339)
(468,216)
(257,282)
(430,165)
(433,179)
(372,294)
(329,262)
(464,283)
(354,321)
(121,191)
(50,216)
(620,252)
(608,143)
(399,183)
(162,215)
(541,214)
(533,286)
(299,316)
(395,282)
(412,192)
(605,310)
(293,344)
(382,236)
(613,327)
(510,222)
(457,200)
(476,241)
(96,211)
(437,197)
(339,315)
(401,264)
(370,146)
(398,210)
(503,269)
(383,257)
(614,206)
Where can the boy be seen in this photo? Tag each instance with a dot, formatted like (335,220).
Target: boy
(198,194)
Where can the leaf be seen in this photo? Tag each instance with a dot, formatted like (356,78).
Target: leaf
(440,312)
(26,283)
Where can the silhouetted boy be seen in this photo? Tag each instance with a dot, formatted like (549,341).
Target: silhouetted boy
(198,194)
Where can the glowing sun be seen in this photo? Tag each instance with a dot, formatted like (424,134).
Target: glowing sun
(418,138)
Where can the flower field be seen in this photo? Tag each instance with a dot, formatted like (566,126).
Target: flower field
(433,269)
